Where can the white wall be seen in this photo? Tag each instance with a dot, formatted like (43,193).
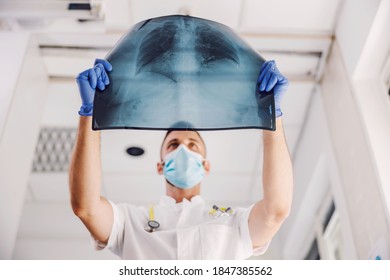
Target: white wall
(334,155)
(23,79)
(344,145)
(355,67)
(353,28)
(365,72)
(315,177)
(360,182)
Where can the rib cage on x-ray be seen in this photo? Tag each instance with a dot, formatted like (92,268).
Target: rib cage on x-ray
(186,73)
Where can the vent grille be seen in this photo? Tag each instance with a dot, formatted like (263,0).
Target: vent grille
(53,150)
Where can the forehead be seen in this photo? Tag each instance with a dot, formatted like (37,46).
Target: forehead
(183,135)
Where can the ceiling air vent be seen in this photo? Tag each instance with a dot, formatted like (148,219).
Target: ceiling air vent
(54,149)
(79,6)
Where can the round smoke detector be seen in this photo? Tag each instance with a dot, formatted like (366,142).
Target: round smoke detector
(135,151)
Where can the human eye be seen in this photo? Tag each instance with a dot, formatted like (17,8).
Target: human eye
(173,145)
(193,146)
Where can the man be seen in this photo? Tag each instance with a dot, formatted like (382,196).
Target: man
(187,228)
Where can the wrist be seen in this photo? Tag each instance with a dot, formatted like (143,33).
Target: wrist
(278,113)
(270,136)
(86,110)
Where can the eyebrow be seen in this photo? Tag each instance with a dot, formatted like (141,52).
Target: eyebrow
(176,140)
(173,140)
(195,140)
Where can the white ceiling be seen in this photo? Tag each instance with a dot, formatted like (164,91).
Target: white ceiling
(297,34)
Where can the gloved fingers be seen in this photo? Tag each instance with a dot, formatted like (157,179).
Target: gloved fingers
(100,84)
(262,72)
(265,81)
(101,66)
(92,78)
(282,84)
(107,65)
(105,78)
(101,74)
(271,82)
(265,67)
(283,81)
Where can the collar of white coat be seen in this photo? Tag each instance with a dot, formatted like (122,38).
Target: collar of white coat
(168,200)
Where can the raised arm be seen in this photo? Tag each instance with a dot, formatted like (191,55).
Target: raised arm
(268,214)
(85,168)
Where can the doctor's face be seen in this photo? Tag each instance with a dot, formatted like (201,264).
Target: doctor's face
(191,139)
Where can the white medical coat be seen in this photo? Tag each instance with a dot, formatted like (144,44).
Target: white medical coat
(186,232)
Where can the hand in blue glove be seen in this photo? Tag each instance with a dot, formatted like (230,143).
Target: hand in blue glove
(88,81)
(270,78)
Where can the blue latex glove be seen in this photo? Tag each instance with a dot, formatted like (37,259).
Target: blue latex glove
(88,81)
(270,78)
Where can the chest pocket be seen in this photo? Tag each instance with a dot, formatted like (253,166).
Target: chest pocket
(219,241)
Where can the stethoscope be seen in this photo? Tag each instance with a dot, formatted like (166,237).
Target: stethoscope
(152,225)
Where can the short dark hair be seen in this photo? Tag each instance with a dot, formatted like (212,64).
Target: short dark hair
(173,129)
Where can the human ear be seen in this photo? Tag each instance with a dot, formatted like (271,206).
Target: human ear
(206,165)
(160,167)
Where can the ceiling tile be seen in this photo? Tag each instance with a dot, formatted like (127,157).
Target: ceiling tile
(117,14)
(50,220)
(295,65)
(140,189)
(114,146)
(28,196)
(233,151)
(295,102)
(56,113)
(70,64)
(145,9)
(233,189)
(49,187)
(284,16)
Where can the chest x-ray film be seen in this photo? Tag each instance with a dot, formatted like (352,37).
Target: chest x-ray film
(183,72)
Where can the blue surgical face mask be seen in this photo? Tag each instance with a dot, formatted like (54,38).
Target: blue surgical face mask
(183,168)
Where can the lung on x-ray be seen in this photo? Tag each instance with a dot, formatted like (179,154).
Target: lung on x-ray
(183,72)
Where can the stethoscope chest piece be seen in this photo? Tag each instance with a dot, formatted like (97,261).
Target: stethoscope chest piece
(152,226)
